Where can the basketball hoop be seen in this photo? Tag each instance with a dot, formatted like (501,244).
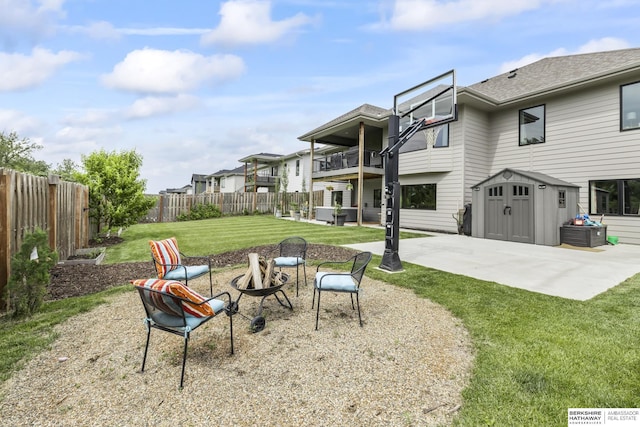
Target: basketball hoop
(433,103)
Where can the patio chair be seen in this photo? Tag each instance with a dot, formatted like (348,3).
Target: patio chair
(168,263)
(172,307)
(341,282)
(292,252)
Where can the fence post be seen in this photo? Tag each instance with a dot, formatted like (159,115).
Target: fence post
(54,180)
(78,214)
(81,227)
(5,231)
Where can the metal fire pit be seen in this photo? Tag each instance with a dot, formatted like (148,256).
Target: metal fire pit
(258,322)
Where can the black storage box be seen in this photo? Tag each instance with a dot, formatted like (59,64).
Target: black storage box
(583,235)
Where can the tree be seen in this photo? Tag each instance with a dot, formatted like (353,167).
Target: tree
(17,154)
(30,273)
(284,180)
(116,194)
(66,170)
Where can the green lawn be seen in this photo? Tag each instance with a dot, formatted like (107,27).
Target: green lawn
(536,355)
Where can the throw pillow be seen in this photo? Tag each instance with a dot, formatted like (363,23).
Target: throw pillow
(165,254)
(193,306)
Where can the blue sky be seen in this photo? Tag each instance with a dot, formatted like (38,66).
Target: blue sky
(195,85)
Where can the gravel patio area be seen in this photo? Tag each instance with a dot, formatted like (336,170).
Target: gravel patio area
(406,366)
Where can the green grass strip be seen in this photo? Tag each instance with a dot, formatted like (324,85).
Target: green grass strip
(21,339)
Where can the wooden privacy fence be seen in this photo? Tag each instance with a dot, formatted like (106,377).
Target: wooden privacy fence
(29,202)
(169,206)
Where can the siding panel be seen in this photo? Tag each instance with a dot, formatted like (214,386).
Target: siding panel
(583,142)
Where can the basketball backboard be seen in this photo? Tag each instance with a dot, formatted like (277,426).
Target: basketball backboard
(427,107)
(434,101)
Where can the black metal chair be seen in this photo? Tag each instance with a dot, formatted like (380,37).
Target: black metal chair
(292,252)
(341,282)
(169,263)
(170,313)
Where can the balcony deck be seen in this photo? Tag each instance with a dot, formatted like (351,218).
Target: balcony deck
(344,165)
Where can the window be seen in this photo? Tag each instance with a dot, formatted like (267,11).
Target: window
(630,106)
(562,199)
(614,197)
(495,191)
(336,197)
(377,197)
(297,167)
(532,125)
(442,136)
(422,196)
(436,137)
(222,181)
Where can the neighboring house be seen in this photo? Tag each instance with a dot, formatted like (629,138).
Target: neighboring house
(182,190)
(267,170)
(261,172)
(226,181)
(198,183)
(568,124)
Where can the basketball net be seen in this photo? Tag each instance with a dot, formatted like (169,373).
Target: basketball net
(431,135)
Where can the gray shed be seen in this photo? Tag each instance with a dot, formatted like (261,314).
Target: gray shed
(522,206)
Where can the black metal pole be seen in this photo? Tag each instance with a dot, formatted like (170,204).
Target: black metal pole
(390,258)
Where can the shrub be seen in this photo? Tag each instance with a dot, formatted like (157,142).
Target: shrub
(29,277)
(202,211)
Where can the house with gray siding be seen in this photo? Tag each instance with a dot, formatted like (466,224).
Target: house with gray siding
(571,121)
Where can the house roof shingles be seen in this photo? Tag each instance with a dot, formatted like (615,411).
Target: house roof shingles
(365,110)
(553,73)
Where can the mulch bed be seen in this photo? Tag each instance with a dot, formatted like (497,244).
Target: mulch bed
(83,279)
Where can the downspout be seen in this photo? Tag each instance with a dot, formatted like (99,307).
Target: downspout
(360,170)
(309,214)
(255,184)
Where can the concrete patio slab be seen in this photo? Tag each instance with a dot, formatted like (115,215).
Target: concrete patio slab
(564,272)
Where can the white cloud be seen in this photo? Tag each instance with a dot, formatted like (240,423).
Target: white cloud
(162,71)
(603,44)
(71,140)
(103,30)
(249,22)
(50,6)
(17,121)
(154,105)
(596,45)
(416,15)
(87,117)
(28,19)
(99,30)
(18,71)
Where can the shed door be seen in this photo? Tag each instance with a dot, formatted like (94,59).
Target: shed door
(495,220)
(509,212)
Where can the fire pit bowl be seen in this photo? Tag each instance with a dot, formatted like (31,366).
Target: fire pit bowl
(258,322)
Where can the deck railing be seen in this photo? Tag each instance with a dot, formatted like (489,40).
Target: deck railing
(346,159)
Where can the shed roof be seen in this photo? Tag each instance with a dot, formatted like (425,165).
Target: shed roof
(536,176)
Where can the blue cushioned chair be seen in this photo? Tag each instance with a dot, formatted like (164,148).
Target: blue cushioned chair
(292,252)
(158,317)
(341,282)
